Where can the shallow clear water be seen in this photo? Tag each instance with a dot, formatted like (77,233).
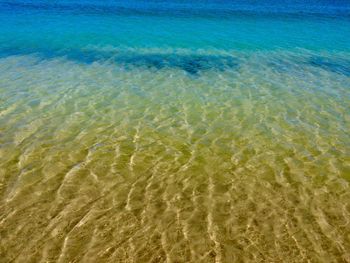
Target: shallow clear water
(174,132)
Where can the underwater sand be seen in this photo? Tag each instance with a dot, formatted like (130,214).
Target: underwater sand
(175,153)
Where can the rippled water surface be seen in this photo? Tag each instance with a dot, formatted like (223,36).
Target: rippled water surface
(172,132)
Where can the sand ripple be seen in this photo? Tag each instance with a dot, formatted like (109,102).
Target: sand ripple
(103,164)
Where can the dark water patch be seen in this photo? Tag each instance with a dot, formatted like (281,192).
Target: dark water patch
(192,64)
(340,66)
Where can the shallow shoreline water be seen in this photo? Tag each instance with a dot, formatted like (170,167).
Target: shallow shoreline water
(170,142)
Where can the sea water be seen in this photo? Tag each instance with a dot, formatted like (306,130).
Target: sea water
(174,131)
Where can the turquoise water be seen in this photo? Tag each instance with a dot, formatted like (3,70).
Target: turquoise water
(168,131)
(55,29)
